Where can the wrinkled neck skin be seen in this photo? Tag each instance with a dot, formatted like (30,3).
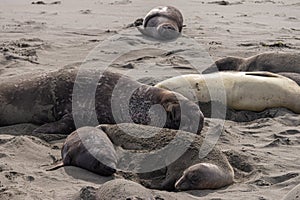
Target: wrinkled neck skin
(168,109)
(143,99)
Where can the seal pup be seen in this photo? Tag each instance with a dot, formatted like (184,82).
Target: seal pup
(89,148)
(272,62)
(253,91)
(163,173)
(203,176)
(46,99)
(162,23)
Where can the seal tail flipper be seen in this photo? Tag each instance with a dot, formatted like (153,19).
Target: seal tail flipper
(57,166)
(64,126)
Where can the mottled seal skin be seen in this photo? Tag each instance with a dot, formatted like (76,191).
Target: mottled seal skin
(46,99)
(253,91)
(216,170)
(89,148)
(162,23)
(272,62)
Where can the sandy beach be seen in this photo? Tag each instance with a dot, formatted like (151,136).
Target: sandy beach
(38,37)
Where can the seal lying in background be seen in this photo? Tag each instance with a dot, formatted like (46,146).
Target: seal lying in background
(162,23)
(190,169)
(272,62)
(253,91)
(46,99)
(90,149)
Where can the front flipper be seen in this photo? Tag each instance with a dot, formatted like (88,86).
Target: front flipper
(169,183)
(63,126)
(57,166)
(137,22)
(144,31)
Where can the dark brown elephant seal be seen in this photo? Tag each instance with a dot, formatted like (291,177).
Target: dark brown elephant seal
(170,156)
(90,149)
(162,23)
(50,100)
(272,62)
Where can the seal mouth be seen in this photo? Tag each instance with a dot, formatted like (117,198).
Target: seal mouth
(168,32)
(182,184)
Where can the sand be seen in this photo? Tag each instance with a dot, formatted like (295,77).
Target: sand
(35,38)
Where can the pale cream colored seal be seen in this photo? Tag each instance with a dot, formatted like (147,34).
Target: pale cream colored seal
(254,91)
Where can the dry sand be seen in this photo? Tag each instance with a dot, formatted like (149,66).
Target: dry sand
(36,38)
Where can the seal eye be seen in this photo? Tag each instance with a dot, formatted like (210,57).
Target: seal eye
(194,178)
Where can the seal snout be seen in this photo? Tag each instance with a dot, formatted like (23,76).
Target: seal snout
(162,23)
(168,31)
(185,115)
(192,118)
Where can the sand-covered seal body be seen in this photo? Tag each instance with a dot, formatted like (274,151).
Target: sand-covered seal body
(46,99)
(125,136)
(272,62)
(162,23)
(253,91)
(90,149)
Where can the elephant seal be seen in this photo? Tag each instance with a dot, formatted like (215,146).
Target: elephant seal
(253,91)
(272,62)
(46,99)
(168,167)
(162,23)
(90,149)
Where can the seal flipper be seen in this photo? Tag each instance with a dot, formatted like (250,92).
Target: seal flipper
(63,126)
(57,166)
(144,31)
(169,183)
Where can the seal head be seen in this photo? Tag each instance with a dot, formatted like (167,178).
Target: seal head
(162,23)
